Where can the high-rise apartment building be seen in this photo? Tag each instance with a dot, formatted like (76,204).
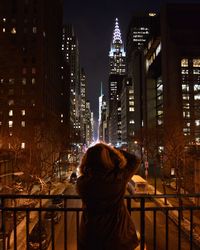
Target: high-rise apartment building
(140,27)
(103,117)
(31,88)
(89,117)
(166,85)
(82,106)
(70,49)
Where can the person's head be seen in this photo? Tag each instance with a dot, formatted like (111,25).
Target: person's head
(102,156)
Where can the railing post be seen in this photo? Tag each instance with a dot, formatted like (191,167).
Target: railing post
(142,223)
(3,228)
(128,203)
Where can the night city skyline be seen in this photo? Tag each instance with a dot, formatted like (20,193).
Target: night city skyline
(94,24)
(99,89)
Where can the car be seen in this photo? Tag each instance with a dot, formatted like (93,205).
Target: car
(52,215)
(39,236)
(73,178)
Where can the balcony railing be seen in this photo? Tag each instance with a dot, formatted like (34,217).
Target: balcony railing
(56,218)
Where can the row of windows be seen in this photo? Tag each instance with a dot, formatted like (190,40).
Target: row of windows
(195,62)
(194,71)
(11,112)
(13,30)
(12,81)
(187,96)
(10,124)
(197,123)
(186,87)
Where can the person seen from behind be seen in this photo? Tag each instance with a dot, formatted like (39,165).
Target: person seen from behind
(106,223)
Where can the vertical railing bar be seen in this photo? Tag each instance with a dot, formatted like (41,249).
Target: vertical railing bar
(128,203)
(77,228)
(154,229)
(167,229)
(142,223)
(191,229)
(65,225)
(40,223)
(27,229)
(179,228)
(3,223)
(52,230)
(15,229)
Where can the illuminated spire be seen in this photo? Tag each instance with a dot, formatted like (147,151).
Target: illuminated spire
(117,33)
(101,88)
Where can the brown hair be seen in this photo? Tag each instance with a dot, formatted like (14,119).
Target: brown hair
(102,155)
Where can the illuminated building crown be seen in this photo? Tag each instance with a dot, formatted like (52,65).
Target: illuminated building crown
(117,40)
(117,33)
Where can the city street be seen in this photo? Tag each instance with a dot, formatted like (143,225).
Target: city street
(160,228)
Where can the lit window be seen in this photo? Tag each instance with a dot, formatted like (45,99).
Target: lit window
(33,103)
(11,81)
(23,112)
(23,145)
(196,87)
(131,97)
(197,97)
(184,63)
(131,103)
(4,30)
(196,71)
(23,123)
(61,115)
(10,113)
(197,122)
(11,102)
(24,81)
(13,30)
(131,109)
(33,80)
(4,19)
(61,121)
(11,134)
(160,88)
(33,70)
(34,30)
(186,97)
(131,121)
(185,87)
(196,62)
(10,124)
(160,122)
(0,123)
(131,91)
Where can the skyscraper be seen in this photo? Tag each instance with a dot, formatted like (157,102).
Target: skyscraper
(117,71)
(71,52)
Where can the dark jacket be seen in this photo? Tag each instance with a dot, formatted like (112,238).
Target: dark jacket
(106,223)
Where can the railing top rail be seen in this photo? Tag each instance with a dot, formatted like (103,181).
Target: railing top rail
(139,196)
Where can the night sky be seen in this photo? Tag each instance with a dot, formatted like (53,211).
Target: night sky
(93,22)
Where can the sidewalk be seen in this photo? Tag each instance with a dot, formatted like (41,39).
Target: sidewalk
(185,223)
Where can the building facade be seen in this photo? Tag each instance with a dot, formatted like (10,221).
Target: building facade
(117,71)
(31,88)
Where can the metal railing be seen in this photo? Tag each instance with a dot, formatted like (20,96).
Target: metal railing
(19,215)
